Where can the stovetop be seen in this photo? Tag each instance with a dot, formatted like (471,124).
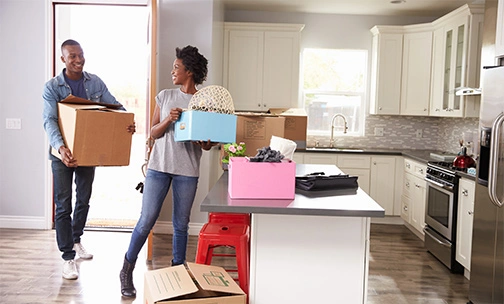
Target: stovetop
(446,166)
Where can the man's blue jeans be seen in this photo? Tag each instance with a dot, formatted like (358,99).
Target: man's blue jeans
(70,229)
(156,188)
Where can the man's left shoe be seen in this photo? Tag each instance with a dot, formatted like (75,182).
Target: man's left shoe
(81,252)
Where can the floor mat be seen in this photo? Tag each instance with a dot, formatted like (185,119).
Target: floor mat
(110,223)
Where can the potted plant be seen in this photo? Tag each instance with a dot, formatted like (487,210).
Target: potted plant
(232,150)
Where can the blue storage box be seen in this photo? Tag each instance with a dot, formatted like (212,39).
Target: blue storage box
(199,125)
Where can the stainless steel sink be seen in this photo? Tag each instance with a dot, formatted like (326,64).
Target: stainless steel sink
(335,149)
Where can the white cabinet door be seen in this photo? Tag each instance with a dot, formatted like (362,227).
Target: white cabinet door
(261,65)
(321,158)
(465,222)
(382,183)
(499,36)
(298,158)
(281,69)
(418,197)
(416,73)
(244,78)
(386,73)
(357,165)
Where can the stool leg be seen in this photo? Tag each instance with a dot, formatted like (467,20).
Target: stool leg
(242,261)
(202,252)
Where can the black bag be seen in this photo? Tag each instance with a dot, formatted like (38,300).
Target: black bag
(318,181)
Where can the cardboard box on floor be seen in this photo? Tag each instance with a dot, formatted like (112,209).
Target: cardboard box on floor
(296,123)
(201,284)
(256,129)
(95,134)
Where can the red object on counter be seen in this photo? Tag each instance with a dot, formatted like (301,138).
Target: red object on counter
(464,161)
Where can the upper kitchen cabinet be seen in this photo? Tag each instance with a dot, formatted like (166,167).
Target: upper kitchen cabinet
(400,75)
(456,60)
(261,64)
(386,70)
(499,37)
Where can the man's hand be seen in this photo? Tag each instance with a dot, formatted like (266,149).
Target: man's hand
(67,157)
(131,128)
(205,145)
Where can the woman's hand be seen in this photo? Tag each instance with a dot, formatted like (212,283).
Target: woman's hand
(174,114)
(131,128)
(205,145)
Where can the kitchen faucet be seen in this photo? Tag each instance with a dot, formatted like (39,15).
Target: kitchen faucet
(331,143)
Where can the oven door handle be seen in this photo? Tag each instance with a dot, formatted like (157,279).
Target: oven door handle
(446,244)
(433,182)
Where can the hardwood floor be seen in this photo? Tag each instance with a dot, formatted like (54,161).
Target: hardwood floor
(401,271)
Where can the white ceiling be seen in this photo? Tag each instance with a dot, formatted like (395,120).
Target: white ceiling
(430,8)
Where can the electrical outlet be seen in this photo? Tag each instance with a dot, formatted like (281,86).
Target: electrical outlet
(378,131)
(419,133)
(13,123)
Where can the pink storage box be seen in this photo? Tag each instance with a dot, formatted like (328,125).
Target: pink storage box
(251,180)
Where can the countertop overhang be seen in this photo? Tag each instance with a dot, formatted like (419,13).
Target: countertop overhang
(335,203)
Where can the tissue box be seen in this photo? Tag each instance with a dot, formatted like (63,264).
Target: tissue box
(251,180)
(200,125)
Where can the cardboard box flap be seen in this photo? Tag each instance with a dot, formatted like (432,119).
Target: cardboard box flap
(288,111)
(88,106)
(255,114)
(171,282)
(81,101)
(214,278)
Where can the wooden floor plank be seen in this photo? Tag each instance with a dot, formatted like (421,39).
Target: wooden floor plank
(401,271)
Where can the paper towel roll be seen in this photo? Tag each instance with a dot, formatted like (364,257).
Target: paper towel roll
(285,146)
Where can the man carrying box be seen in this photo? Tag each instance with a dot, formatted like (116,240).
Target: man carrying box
(72,80)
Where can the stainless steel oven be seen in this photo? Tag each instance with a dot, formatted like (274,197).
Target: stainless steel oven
(441,213)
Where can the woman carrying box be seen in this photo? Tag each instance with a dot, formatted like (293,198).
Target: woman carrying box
(171,163)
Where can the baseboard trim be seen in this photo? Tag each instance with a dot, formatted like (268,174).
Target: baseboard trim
(166,227)
(390,220)
(23,222)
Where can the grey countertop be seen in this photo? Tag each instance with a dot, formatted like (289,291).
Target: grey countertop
(422,156)
(357,204)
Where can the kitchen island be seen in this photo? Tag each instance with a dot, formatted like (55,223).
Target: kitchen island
(312,249)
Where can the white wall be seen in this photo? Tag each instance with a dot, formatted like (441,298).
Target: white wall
(23,72)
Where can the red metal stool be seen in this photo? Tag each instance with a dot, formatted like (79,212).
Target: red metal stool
(231,218)
(236,236)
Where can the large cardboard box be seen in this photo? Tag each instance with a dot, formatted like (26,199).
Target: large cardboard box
(251,180)
(96,135)
(256,129)
(199,125)
(201,284)
(296,123)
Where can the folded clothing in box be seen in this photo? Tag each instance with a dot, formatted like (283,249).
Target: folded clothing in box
(261,180)
(200,125)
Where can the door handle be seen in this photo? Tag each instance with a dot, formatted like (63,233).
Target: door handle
(494,159)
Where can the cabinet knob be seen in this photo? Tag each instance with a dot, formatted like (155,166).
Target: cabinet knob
(421,171)
(417,185)
(425,110)
(380,108)
(437,110)
(408,165)
(465,192)
(405,208)
(407,184)
(259,105)
(470,212)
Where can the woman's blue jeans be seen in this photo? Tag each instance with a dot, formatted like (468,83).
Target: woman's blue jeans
(70,229)
(156,188)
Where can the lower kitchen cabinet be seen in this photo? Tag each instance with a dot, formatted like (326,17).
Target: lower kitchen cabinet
(298,158)
(414,195)
(321,158)
(357,166)
(465,222)
(382,182)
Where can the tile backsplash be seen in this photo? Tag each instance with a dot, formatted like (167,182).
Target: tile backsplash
(399,132)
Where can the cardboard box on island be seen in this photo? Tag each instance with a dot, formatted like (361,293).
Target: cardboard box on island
(196,125)
(95,132)
(261,180)
(202,284)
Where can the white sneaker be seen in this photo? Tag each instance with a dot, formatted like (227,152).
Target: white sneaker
(70,270)
(81,252)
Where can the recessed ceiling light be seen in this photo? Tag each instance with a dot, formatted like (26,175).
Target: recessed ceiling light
(397,1)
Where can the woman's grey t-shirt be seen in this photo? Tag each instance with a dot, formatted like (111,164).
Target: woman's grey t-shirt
(168,155)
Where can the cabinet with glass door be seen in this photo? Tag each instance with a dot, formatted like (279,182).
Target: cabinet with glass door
(456,62)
